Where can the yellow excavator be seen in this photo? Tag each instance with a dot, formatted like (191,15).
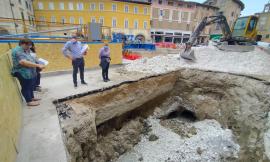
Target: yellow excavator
(240,39)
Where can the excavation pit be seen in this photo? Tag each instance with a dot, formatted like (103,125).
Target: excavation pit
(106,124)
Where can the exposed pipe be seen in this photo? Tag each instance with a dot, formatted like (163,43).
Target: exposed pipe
(47,31)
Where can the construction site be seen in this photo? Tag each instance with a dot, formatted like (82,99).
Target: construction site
(190,101)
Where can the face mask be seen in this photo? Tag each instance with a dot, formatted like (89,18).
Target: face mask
(73,40)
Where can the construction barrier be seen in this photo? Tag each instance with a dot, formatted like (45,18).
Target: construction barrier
(169,45)
(52,51)
(10,110)
(150,47)
(132,56)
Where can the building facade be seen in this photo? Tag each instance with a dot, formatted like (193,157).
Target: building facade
(122,16)
(17,16)
(264,23)
(231,9)
(174,21)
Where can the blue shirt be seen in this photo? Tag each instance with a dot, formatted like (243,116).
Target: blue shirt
(73,48)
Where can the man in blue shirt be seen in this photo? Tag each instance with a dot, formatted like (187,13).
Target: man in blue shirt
(73,51)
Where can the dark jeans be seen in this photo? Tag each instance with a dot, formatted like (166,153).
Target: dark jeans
(78,64)
(27,87)
(38,78)
(105,71)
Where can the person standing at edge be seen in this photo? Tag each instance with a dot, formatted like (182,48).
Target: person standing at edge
(38,76)
(73,51)
(104,56)
(24,68)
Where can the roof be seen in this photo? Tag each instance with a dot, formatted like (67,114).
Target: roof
(242,5)
(201,4)
(239,2)
(146,2)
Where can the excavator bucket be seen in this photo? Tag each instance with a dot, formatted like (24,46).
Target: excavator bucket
(188,54)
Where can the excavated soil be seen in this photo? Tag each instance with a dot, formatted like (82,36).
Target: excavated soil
(104,124)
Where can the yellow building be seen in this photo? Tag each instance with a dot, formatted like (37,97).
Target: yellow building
(128,17)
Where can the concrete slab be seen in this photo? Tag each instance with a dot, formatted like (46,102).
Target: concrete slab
(41,139)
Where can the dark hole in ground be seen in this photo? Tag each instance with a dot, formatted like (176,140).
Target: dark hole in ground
(184,115)
(142,111)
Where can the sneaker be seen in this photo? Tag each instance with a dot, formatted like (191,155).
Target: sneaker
(108,80)
(83,82)
(105,80)
(75,85)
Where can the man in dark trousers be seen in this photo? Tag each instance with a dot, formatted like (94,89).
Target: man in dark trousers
(73,51)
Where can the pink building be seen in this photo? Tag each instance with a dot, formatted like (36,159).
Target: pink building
(174,21)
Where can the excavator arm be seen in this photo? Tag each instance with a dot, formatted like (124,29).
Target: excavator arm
(220,20)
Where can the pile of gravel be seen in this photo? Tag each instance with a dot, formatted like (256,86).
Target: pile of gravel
(210,143)
(208,58)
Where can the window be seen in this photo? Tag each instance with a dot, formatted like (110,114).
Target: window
(145,10)
(79,6)
(20,1)
(72,20)
(33,21)
(267,8)
(252,24)
(126,24)
(40,6)
(22,15)
(189,6)
(161,13)
(26,4)
(53,19)
(267,36)
(188,26)
(126,8)
(30,7)
(92,7)
(101,6)
(136,24)
(61,6)
(135,10)
(145,24)
(168,39)
(114,7)
(170,3)
(29,20)
(51,6)
(262,22)
(114,22)
(241,23)
(70,6)
(160,2)
(93,20)
(101,20)
(63,20)
(42,18)
(232,14)
(80,20)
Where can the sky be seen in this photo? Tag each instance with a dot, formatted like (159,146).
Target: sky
(251,6)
